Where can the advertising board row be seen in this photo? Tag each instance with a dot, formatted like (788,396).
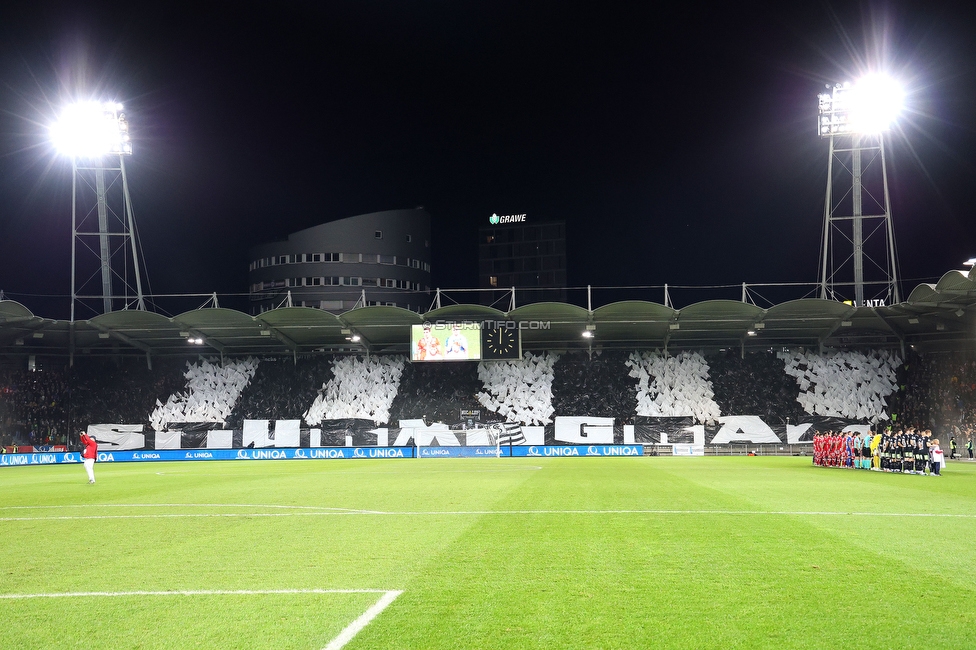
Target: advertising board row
(324,453)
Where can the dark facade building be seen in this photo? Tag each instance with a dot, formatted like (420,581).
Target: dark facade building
(384,256)
(516,252)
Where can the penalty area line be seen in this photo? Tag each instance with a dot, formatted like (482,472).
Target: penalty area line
(344,637)
(356,626)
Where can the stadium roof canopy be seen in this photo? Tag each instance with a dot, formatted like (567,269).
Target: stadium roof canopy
(934,317)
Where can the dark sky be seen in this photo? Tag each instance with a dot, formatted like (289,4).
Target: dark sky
(677,142)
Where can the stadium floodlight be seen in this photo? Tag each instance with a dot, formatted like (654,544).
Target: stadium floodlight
(92,129)
(858,114)
(95,136)
(869,105)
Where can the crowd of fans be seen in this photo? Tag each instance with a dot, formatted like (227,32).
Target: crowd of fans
(437,392)
(281,389)
(754,385)
(49,405)
(938,391)
(34,408)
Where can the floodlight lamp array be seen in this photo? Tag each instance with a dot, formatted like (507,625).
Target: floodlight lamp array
(868,106)
(92,130)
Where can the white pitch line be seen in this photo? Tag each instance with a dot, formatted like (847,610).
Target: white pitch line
(175,505)
(193,592)
(315,509)
(356,626)
(480,513)
(344,637)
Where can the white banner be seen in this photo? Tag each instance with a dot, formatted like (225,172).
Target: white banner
(744,428)
(584,431)
(256,434)
(286,433)
(220,439)
(168,439)
(534,435)
(117,437)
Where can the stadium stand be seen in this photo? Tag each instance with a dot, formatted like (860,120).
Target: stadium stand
(47,406)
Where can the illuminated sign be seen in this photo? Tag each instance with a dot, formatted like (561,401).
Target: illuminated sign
(494,219)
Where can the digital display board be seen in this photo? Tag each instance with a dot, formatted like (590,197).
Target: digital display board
(445,342)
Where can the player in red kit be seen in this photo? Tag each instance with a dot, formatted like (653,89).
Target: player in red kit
(88,454)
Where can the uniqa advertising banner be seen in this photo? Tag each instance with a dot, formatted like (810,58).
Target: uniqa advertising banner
(578,450)
(315,453)
(323,453)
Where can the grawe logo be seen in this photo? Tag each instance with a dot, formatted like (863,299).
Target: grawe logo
(494,219)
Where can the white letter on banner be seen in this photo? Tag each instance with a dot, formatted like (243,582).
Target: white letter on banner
(220,439)
(382,436)
(534,435)
(256,432)
(118,437)
(744,428)
(287,433)
(584,430)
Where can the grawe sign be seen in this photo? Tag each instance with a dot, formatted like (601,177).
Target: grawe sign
(495,219)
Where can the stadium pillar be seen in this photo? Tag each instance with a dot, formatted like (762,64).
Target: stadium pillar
(71,343)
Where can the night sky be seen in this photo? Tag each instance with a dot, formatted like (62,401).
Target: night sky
(677,142)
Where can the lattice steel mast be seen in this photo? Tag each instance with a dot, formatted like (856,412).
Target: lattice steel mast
(858,257)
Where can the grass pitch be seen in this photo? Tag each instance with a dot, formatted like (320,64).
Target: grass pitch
(488,553)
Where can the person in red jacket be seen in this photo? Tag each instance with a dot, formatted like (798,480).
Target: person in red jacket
(88,454)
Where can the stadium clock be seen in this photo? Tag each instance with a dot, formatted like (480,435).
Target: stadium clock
(500,343)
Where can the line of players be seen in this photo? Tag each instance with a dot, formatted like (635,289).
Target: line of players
(908,451)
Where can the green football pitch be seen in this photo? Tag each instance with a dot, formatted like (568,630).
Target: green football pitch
(487,553)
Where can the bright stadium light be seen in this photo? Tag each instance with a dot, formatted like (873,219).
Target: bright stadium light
(95,136)
(858,115)
(876,102)
(869,105)
(91,130)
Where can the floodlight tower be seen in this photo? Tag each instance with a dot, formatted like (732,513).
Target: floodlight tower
(854,117)
(95,135)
